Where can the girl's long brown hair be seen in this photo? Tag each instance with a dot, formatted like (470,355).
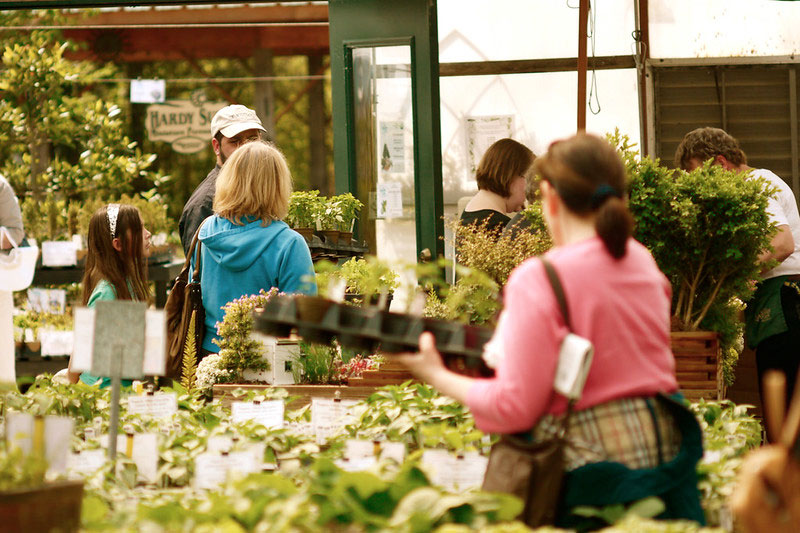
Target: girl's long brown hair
(118,268)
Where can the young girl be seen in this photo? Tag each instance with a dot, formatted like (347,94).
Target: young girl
(116,264)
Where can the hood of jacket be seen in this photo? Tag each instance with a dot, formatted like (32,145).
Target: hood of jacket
(237,247)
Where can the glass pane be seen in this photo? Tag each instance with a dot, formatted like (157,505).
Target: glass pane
(384,146)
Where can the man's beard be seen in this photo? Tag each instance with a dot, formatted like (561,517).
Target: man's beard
(222,158)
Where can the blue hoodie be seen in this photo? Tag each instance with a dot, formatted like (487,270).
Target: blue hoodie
(241,260)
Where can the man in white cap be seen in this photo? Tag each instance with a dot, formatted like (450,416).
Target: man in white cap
(231,127)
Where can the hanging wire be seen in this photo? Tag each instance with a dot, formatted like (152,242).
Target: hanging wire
(593,91)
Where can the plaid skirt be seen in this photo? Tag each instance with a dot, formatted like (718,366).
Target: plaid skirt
(637,432)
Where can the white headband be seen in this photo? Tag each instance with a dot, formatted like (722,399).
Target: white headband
(112,211)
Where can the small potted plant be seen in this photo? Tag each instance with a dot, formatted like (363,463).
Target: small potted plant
(329,217)
(303,211)
(367,279)
(349,208)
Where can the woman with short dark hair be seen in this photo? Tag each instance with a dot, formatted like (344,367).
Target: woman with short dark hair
(502,175)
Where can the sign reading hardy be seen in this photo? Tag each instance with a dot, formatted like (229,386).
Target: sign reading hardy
(183,123)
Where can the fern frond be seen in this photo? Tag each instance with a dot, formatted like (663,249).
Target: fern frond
(189,357)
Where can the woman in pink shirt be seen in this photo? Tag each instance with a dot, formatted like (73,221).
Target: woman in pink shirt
(620,301)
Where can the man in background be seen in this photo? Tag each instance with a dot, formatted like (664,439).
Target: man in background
(772,325)
(231,127)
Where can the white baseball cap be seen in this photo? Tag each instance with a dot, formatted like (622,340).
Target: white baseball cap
(234,119)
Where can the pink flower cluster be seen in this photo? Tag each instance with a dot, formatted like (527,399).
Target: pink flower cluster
(353,368)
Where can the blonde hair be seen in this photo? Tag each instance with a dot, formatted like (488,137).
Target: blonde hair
(255,181)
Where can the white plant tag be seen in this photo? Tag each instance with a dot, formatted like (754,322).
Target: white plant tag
(162,405)
(145,455)
(211,470)
(83,338)
(155,343)
(574,360)
(85,463)
(456,473)
(328,416)
(57,438)
(269,414)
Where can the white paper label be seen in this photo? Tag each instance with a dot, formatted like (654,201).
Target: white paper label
(359,448)
(390,200)
(145,455)
(47,300)
(85,463)
(269,414)
(211,470)
(161,405)
(456,473)
(155,343)
(55,343)
(328,416)
(59,253)
(148,91)
(83,337)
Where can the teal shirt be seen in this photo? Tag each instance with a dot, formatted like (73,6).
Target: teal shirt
(103,291)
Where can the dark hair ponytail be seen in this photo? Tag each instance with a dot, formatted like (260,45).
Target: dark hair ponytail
(614,225)
(589,176)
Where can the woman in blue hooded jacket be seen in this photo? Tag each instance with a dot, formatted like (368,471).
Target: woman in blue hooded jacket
(245,245)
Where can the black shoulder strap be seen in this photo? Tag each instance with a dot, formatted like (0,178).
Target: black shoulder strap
(555,282)
(558,289)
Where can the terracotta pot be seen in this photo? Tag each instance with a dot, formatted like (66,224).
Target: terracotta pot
(331,236)
(50,507)
(345,237)
(307,233)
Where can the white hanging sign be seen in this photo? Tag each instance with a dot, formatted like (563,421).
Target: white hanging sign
(148,91)
(482,132)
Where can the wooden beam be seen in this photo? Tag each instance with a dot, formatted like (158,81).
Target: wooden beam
(643,52)
(533,66)
(583,20)
(170,44)
(216,14)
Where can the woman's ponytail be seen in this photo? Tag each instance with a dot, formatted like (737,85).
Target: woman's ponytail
(614,225)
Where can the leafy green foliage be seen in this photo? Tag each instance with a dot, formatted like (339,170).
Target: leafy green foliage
(729,431)
(19,470)
(304,208)
(314,364)
(238,350)
(189,366)
(481,249)
(61,146)
(705,229)
(368,277)
(473,299)
(414,413)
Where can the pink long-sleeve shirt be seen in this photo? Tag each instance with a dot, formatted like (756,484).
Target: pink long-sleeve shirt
(622,306)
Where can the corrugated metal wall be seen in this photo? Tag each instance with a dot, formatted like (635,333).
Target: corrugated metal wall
(756,103)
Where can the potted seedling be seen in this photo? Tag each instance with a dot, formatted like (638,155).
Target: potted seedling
(329,217)
(367,280)
(349,207)
(303,211)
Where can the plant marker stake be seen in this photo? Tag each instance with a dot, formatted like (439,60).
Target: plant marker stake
(116,384)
